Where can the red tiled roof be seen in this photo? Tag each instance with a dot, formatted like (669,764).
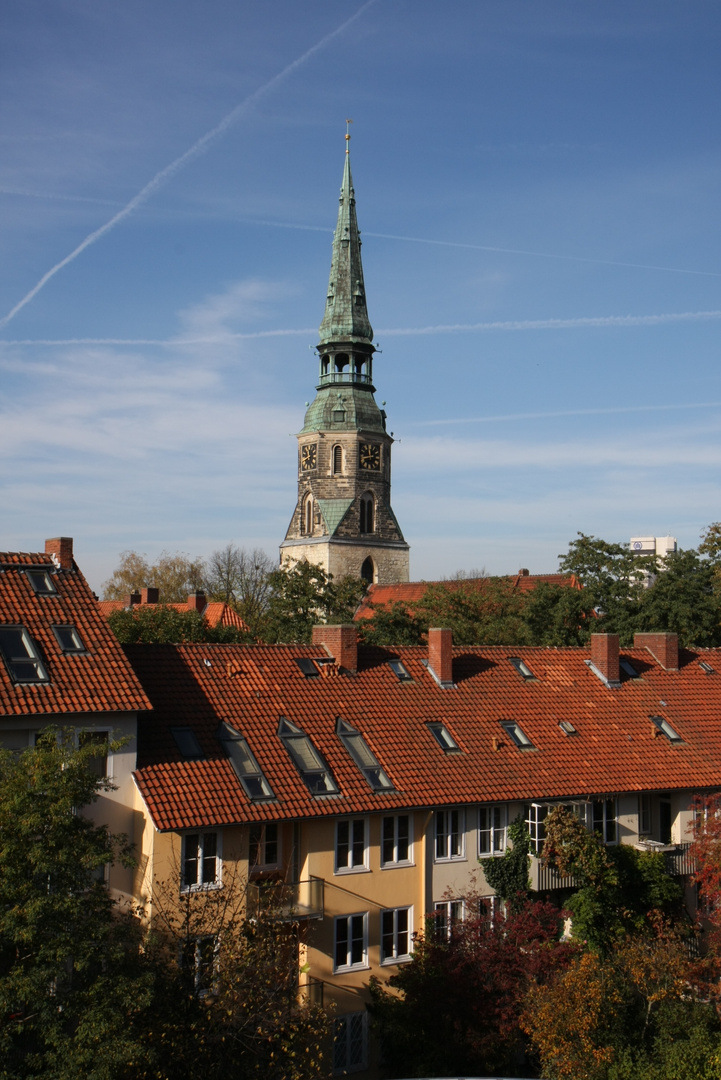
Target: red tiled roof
(411,593)
(215,612)
(251,687)
(97,680)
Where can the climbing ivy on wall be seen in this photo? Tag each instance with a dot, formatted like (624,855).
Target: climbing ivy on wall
(508,876)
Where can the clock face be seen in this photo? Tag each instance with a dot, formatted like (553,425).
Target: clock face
(308,457)
(369,456)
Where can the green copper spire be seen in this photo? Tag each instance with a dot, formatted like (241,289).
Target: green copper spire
(346,315)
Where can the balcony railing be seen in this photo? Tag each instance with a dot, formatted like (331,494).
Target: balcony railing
(545,878)
(679,862)
(287,901)
(345,377)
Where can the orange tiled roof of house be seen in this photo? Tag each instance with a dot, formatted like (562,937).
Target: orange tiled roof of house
(412,592)
(614,746)
(59,674)
(215,612)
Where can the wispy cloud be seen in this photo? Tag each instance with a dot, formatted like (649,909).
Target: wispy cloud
(199,147)
(615,410)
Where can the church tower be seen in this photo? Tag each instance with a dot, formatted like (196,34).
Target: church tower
(343,520)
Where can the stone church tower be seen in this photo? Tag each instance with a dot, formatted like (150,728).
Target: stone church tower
(343,520)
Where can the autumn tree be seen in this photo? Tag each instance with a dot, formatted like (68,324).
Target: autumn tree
(454,1008)
(241,578)
(174,574)
(158,624)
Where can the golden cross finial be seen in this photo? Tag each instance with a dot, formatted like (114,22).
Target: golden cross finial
(347,135)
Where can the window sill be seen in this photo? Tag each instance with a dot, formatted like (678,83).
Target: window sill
(210,887)
(450,859)
(342,870)
(365,966)
(391,962)
(397,865)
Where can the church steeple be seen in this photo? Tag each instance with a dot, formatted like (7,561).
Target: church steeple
(343,519)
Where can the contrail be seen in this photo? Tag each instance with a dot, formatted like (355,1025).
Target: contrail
(569,412)
(52,195)
(195,150)
(451,328)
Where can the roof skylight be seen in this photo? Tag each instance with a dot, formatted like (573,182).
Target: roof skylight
(665,728)
(444,738)
(706,667)
(521,667)
(41,582)
(627,668)
(246,767)
(309,665)
(21,656)
(187,742)
(567,727)
(363,756)
(399,669)
(68,639)
(517,735)
(307,760)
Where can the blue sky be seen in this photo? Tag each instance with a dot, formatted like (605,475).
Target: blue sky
(537,186)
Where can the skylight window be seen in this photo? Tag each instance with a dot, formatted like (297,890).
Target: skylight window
(307,760)
(41,582)
(363,756)
(627,668)
(309,666)
(399,669)
(521,667)
(444,738)
(21,655)
(706,667)
(187,742)
(665,728)
(68,639)
(567,727)
(517,735)
(246,767)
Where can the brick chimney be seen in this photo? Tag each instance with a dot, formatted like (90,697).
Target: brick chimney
(340,642)
(604,656)
(440,655)
(524,572)
(150,596)
(197,602)
(663,648)
(62,548)
(132,599)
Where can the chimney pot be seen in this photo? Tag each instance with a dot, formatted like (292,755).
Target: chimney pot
(663,648)
(340,642)
(150,596)
(440,654)
(62,548)
(524,572)
(604,656)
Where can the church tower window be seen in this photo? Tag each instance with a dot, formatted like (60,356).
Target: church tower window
(307,515)
(337,460)
(367,513)
(368,570)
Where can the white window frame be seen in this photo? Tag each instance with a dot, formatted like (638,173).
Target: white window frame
(392,920)
(260,844)
(534,817)
(645,814)
(31,658)
(388,864)
(492,824)
(454,913)
(192,957)
(200,885)
(350,925)
(452,853)
(350,1043)
(352,864)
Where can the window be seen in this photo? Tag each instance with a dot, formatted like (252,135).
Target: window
(98,762)
(444,738)
(187,742)
(706,667)
(351,942)
(68,639)
(306,516)
(448,915)
(351,845)
(350,1042)
(396,840)
(395,935)
(604,819)
(535,816)
(21,656)
(492,830)
(490,910)
(644,814)
(200,861)
(307,760)
(367,515)
(522,668)
(627,668)
(42,583)
(337,459)
(264,848)
(449,835)
(567,727)
(516,734)
(368,570)
(246,768)
(400,671)
(200,960)
(664,728)
(363,756)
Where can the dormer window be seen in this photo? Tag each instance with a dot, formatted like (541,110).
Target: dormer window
(522,668)
(21,656)
(246,768)
(444,738)
(316,774)
(363,756)
(664,728)
(68,639)
(517,735)
(42,582)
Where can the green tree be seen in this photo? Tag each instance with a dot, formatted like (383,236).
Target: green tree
(159,624)
(558,616)
(613,579)
(394,625)
(305,595)
(484,612)
(174,573)
(684,600)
